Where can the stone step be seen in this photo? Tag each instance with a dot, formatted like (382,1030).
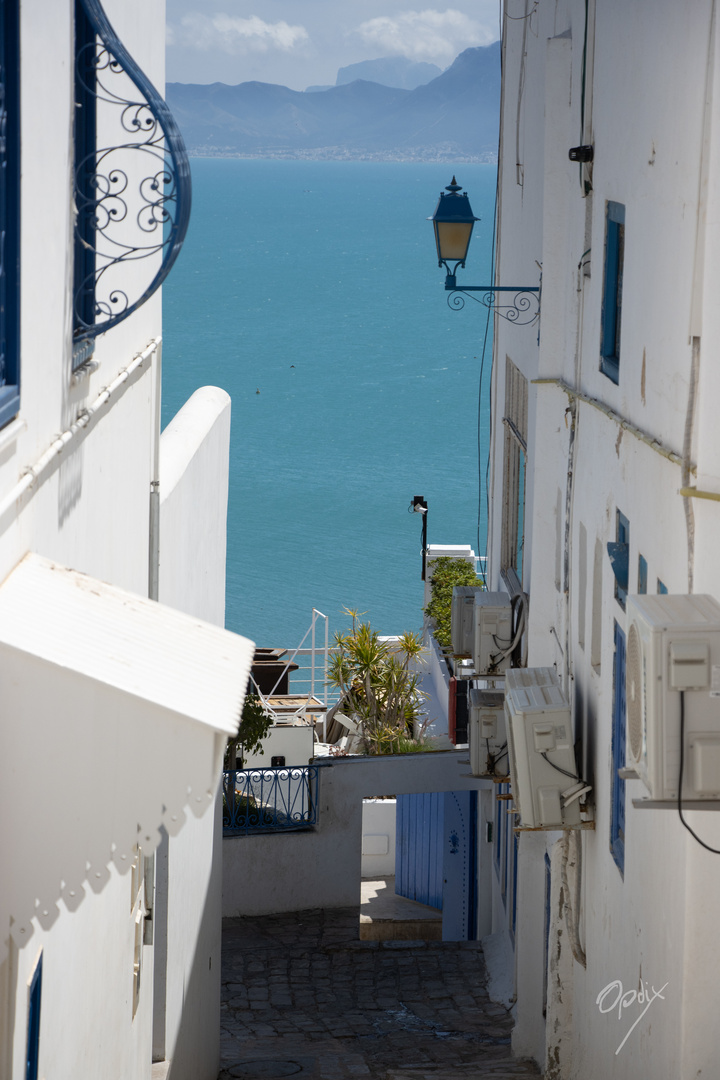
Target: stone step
(509,1069)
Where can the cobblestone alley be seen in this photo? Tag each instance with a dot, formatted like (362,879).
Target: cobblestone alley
(302,996)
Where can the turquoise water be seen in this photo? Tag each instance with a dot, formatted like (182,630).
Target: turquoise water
(316,283)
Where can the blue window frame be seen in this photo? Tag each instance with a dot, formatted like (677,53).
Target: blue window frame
(33,1027)
(661,588)
(622,536)
(546,949)
(642,575)
(612,291)
(617,786)
(513,913)
(9,211)
(85,148)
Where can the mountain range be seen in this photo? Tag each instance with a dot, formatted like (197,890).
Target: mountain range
(454,117)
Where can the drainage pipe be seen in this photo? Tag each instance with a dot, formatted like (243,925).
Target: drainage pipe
(37,473)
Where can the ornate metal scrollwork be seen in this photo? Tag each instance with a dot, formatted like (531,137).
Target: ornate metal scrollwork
(132,182)
(523,307)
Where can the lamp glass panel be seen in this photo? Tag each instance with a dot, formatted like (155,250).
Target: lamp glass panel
(453,239)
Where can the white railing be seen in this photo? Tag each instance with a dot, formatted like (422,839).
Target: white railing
(309,680)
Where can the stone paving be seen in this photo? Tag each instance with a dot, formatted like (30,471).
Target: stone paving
(303,996)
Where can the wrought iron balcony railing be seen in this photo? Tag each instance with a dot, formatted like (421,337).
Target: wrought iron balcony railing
(132,182)
(270,800)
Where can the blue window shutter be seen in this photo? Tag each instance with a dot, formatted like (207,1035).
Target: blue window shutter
(612,291)
(9,212)
(642,575)
(617,787)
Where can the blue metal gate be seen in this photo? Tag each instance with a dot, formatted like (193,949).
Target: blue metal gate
(419,848)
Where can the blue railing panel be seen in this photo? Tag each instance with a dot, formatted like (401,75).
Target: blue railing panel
(270,800)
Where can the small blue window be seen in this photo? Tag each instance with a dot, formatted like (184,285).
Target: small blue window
(617,786)
(9,212)
(661,588)
(513,916)
(622,536)
(546,950)
(612,291)
(33,1028)
(642,575)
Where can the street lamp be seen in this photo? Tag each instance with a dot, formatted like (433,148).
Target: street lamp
(419,506)
(453,222)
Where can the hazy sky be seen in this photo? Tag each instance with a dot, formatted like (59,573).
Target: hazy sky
(300,43)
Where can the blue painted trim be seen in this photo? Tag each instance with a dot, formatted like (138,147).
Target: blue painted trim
(546,936)
(33,1027)
(174,147)
(9,211)
(617,786)
(661,588)
(612,291)
(513,914)
(642,575)
(620,557)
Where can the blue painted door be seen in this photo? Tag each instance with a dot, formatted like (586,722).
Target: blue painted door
(419,848)
(459,903)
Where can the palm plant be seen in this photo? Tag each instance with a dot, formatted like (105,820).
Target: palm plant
(379,685)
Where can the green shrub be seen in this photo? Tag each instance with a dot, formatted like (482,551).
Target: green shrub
(445,573)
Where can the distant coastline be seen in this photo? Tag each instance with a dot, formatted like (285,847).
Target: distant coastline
(343,153)
(451,119)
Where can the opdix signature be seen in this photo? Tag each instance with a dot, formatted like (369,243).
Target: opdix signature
(614,997)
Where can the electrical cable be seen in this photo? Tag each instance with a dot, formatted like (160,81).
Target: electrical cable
(483,565)
(692,832)
(543,754)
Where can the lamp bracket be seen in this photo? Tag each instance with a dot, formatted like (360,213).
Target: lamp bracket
(524,308)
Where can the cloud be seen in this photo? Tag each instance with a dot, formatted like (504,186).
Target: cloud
(425,35)
(235,35)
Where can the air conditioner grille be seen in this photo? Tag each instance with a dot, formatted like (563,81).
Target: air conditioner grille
(634,687)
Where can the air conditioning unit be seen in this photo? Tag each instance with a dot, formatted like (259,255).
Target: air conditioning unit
(486,733)
(493,635)
(673,645)
(462,618)
(545,786)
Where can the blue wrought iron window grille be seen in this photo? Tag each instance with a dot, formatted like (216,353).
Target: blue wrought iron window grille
(612,291)
(132,183)
(617,786)
(9,211)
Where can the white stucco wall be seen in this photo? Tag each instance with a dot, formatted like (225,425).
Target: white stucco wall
(653,155)
(90,511)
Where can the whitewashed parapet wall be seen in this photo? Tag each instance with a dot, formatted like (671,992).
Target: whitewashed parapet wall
(651,97)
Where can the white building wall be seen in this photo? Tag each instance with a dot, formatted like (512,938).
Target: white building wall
(655,152)
(89,510)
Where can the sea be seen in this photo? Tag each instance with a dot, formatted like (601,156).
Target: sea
(310,291)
